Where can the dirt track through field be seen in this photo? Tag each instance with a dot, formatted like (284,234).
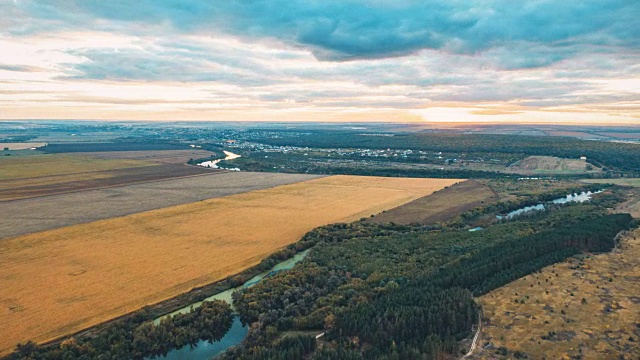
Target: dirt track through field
(60,281)
(26,216)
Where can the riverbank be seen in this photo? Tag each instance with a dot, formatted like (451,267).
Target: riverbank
(234,336)
(197,295)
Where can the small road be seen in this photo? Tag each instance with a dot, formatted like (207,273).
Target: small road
(475,337)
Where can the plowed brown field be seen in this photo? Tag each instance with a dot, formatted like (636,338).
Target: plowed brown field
(39,175)
(60,281)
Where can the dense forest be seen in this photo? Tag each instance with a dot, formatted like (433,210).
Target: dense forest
(623,156)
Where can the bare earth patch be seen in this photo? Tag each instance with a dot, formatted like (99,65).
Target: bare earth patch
(60,281)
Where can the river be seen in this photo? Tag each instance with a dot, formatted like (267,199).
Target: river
(582,197)
(237,332)
(214,163)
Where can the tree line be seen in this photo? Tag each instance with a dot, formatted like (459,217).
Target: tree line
(396,292)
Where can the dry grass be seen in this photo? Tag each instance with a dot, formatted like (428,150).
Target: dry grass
(21,146)
(440,206)
(551,165)
(60,281)
(605,326)
(635,182)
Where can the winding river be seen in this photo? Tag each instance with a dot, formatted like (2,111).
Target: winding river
(237,332)
(214,163)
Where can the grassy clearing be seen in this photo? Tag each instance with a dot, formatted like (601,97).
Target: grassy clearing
(440,206)
(635,182)
(551,165)
(60,281)
(585,306)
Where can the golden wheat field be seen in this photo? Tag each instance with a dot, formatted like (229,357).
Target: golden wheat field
(60,281)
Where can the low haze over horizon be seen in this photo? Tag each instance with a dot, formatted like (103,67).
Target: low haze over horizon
(571,61)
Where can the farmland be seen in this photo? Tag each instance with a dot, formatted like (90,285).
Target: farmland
(37,175)
(585,307)
(440,206)
(63,280)
(59,165)
(156,156)
(25,216)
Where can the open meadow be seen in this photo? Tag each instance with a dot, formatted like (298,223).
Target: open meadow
(60,281)
(585,307)
(551,165)
(635,182)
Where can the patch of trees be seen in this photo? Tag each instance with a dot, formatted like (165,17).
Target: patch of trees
(410,323)
(209,322)
(131,340)
(287,348)
(500,264)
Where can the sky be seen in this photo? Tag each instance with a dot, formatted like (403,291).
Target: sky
(494,61)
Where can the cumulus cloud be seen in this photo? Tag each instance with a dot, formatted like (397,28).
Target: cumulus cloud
(347,29)
(401,54)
